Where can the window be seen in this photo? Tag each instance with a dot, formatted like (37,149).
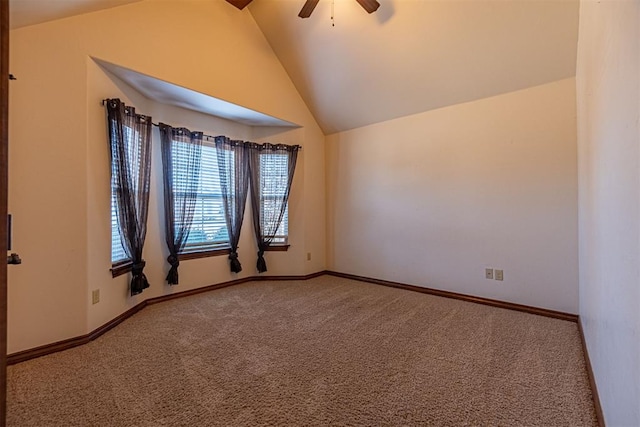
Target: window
(271,168)
(199,197)
(208,230)
(130,147)
(273,187)
(118,253)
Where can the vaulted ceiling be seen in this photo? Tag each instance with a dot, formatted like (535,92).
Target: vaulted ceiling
(415,55)
(30,12)
(408,57)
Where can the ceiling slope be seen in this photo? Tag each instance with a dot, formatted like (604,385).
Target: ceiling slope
(416,55)
(30,12)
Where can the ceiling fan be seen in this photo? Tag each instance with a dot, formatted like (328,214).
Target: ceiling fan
(369,5)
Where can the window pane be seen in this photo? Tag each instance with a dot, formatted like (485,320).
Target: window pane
(273,186)
(208,229)
(118,253)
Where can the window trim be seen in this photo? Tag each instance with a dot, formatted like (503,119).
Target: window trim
(121,267)
(277,248)
(203,254)
(124,267)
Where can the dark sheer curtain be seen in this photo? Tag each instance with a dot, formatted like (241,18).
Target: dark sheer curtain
(271,168)
(181,161)
(130,143)
(233,167)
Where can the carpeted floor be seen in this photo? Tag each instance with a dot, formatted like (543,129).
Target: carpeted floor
(327,351)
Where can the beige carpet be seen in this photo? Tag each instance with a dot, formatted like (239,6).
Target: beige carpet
(327,351)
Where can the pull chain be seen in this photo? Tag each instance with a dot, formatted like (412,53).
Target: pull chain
(333,22)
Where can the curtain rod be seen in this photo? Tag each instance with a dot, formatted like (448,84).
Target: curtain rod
(104,102)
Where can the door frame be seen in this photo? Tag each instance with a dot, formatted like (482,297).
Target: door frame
(4,176)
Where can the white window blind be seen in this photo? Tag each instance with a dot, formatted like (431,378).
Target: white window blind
(208,229)
(117,250)
(273,185)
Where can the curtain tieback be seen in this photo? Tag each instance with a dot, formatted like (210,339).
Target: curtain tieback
(261,264)
(236,267)
(173,260)
(137,268)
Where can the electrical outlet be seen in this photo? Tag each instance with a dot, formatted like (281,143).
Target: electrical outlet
(308,256)
(500,275)
(95,296)
(488,273)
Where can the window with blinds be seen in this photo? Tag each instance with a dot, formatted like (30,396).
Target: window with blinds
(273,185)
(208,228)
(118,253)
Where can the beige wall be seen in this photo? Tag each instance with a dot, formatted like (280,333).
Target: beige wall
(434,198)
(59,171)
(608,93)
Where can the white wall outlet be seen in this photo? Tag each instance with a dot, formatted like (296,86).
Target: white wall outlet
(500,275)
(488,273)
(95,296)
(308,256)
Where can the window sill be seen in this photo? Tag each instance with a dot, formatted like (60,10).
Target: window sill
(277,248)
(121,268)
(125,267)
(203,254)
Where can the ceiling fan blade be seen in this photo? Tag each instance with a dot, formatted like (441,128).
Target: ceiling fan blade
(369,5)
(240,4)
(308,7)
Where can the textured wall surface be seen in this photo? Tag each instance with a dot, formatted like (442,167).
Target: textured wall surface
(434,198)
(608,94)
